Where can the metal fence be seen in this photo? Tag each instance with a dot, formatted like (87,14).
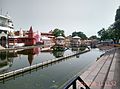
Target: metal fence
(72,84)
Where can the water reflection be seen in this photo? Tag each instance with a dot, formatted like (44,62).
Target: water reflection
(58,51)
(20,60)
(7,57)
(76,50)
(52,77)
(30,53)
(6,60)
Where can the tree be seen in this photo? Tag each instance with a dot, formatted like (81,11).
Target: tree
(80,34)
(101,32)
(116,25)
(114,34)
(117,16)
(93,37)
(109,33)
(104,34)
(113,31)
(57,32)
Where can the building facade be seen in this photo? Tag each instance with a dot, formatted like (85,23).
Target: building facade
(60,41)
(76,42)
(28,39)
(6,26)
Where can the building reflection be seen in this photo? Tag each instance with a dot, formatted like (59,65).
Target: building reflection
(6,59)
(57,52)
(76,50)
(30,53)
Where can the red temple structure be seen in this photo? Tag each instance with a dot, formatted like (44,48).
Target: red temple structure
(28,38)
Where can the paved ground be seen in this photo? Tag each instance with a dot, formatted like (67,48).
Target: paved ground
(105,73)
(117,71)
(105,47)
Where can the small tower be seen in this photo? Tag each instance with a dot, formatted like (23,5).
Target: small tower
(30,33)
(31,39)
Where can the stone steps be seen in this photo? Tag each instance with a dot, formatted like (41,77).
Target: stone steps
(98,74)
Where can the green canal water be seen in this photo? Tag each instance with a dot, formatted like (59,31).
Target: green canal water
(50,77)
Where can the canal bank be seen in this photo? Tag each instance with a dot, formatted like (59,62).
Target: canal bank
(104,74)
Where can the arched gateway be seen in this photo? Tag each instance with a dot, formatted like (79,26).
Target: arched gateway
(3,38)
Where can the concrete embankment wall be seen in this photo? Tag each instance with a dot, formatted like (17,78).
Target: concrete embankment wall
(25,69)
(25,47)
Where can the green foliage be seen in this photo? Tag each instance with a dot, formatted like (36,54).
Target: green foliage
(117,16)
(93,37)
(101,32)
(109,33)
(114,29)
(80,34)
(116,25)
(113,32)
(57,32)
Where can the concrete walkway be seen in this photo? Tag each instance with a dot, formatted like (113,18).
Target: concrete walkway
(105,73)
(116,77)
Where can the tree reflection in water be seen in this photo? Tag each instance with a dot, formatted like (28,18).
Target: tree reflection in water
(58,51)
(77,50)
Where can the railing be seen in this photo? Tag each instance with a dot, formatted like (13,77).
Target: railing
(73,83)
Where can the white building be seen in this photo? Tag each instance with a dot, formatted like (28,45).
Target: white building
(46,40)
(60,40)
(6,27)
(76,41)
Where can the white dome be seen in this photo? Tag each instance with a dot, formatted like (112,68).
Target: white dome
(60,37)
(76,37)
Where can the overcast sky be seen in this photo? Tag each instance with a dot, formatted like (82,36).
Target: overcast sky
(88,16)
